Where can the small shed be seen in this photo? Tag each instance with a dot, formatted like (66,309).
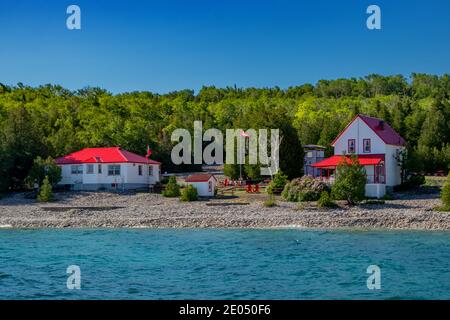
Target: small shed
(204,183)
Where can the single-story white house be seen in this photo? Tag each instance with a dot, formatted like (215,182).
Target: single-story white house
(377,146)
(204,183)
(108,168)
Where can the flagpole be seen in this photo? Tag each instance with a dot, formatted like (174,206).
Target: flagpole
(240,163)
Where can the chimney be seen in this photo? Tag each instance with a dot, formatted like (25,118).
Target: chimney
(381,124)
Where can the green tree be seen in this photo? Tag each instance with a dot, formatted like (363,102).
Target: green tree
(232,171)
(172,189)
(189,193)
(445,194)
(46,193)
(44,168)
(350,181)
(434,129)
(278,182)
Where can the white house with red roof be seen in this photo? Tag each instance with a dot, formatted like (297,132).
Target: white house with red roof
(204,183)
(377,145)
(108,168)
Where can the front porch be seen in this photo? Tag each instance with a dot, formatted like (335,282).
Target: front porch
(373,166)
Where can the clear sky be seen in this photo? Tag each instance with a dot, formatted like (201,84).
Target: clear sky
(169,45)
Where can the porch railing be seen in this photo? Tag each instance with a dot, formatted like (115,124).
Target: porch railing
(372,179)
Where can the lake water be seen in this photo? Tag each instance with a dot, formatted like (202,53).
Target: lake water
(223,264)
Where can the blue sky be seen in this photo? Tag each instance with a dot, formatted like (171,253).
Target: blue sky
(162,46)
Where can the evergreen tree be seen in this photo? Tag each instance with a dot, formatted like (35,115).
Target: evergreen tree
(45,193)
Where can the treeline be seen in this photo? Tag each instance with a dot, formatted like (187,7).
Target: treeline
(52,121)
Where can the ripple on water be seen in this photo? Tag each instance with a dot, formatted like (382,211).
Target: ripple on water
(223,264)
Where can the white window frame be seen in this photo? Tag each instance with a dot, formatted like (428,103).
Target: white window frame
(76,169)
(112,170)
(89,169)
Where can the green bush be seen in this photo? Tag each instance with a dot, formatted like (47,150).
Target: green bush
(189,193)
(172,188)
(46,193)
(304,189)
(414,180)
(350,181)
(278,182)
(43,168)
(325,201)
(445,193)
(270,202)
(232,171)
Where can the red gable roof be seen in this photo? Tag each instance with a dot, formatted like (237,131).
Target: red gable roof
(104,155)
(380,127)
(200,177)
(365,160)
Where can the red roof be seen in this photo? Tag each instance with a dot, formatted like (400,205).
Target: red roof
(380,127)
(104,155)
(365,160)
(200,177)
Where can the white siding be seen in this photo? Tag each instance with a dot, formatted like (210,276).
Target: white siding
(393,170)
(359,131)
(202,187)
(129,173)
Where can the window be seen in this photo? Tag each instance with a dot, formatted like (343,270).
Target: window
(150,170)
(320,154)
(366,145)
(209,186)
(90,169)
(76,169)
(351,146)
(100,168)
(140,170)
(309,154)
(114,170)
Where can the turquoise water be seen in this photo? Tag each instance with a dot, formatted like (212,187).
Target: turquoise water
(223,264)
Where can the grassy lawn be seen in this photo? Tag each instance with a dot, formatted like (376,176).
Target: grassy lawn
(432,181)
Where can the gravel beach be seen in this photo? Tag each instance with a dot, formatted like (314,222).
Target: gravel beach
(141,210)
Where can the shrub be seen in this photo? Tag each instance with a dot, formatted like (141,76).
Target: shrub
(270,202)
(350,181)
(43,168)
(172,188)
(278,183)
(231,171)
(189,193)
(46,193)
(325,201)
(445,194)
(388,196)
(304,189)
(413,181)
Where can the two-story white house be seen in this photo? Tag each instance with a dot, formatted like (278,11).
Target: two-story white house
(108,169)
(376,145)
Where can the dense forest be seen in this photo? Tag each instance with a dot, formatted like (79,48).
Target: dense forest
(52,121)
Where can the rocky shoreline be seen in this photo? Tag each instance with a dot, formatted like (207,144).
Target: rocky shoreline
(412,211)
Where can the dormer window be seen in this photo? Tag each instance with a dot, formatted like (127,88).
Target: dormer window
(366,146)
(351,146)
